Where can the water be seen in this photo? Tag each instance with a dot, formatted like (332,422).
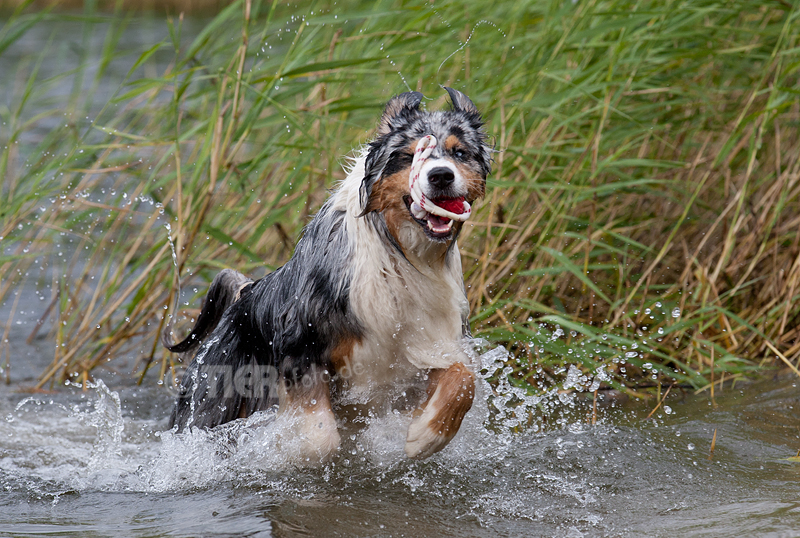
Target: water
(64,470)
(99,463)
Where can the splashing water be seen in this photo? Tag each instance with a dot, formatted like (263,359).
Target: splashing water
(462,46)
(469,38)
(177,268)
(92,444)
(78,446)
(521,464)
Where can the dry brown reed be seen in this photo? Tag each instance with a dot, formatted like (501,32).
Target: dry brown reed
(642,218)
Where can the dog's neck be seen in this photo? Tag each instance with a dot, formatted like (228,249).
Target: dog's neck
(428,257)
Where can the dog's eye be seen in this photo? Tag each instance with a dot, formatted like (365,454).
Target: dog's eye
(459,154)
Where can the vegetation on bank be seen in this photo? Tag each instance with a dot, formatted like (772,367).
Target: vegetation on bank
(642,219)
(193,7)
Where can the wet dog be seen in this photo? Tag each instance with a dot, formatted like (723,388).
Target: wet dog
(371,302)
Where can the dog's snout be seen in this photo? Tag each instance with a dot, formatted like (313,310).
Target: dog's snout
(441,177)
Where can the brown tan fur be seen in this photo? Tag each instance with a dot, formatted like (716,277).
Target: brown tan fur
(475,183)
(243,412)
(387,196)
(451,143)
(450,395)
(309,400)
(342,352)
(309,397)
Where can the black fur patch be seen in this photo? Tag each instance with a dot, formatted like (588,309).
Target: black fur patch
(287,322)
(251,336)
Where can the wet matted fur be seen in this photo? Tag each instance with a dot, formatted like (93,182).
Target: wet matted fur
(371,302)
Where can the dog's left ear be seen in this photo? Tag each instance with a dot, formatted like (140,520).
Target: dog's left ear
(461,101)
(399,107)
(396,107)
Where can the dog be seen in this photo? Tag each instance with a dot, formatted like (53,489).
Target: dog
(371,303)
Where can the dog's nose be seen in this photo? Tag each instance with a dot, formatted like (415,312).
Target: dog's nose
(441,177)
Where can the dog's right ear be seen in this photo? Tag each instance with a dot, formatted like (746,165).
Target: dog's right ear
(397,107)
(373,168)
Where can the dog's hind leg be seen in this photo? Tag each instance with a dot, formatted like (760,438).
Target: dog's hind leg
(308,401)
(436,422)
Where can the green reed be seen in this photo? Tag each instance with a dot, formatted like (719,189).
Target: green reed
(642,216)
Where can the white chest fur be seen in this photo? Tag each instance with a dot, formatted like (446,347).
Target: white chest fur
(417,311)
(411,312)
(410,308)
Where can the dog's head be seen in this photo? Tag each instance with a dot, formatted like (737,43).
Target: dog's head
(454,172)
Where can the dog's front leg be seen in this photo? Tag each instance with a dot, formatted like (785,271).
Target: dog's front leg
(436,422)
(308,401)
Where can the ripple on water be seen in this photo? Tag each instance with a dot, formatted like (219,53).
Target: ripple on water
(105,456)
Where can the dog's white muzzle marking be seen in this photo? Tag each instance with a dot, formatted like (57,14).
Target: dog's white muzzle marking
(422,205)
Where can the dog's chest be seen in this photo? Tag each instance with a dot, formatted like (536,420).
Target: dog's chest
(412,322)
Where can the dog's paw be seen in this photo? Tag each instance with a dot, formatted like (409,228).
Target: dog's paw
(318,435)
(439,421)
(425,438)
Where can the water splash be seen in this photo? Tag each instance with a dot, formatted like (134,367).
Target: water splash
(572,478)
(76,447)
(172,245)
(469,38)
(93,444)
(399,73)
(177,272)
(107,419)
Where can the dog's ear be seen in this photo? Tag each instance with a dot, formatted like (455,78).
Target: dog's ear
(398,106)
(461,101)
(373,168)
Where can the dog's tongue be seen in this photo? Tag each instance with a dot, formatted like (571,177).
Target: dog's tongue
(453,205)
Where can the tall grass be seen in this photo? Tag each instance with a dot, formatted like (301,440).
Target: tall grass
(641,220)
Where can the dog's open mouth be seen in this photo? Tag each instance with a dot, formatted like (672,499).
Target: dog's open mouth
(435,226)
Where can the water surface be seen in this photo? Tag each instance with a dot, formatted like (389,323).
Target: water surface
(99,463)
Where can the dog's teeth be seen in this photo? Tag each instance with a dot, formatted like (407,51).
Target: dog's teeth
(439,229)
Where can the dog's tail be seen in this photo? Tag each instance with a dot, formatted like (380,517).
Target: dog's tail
(223,292)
